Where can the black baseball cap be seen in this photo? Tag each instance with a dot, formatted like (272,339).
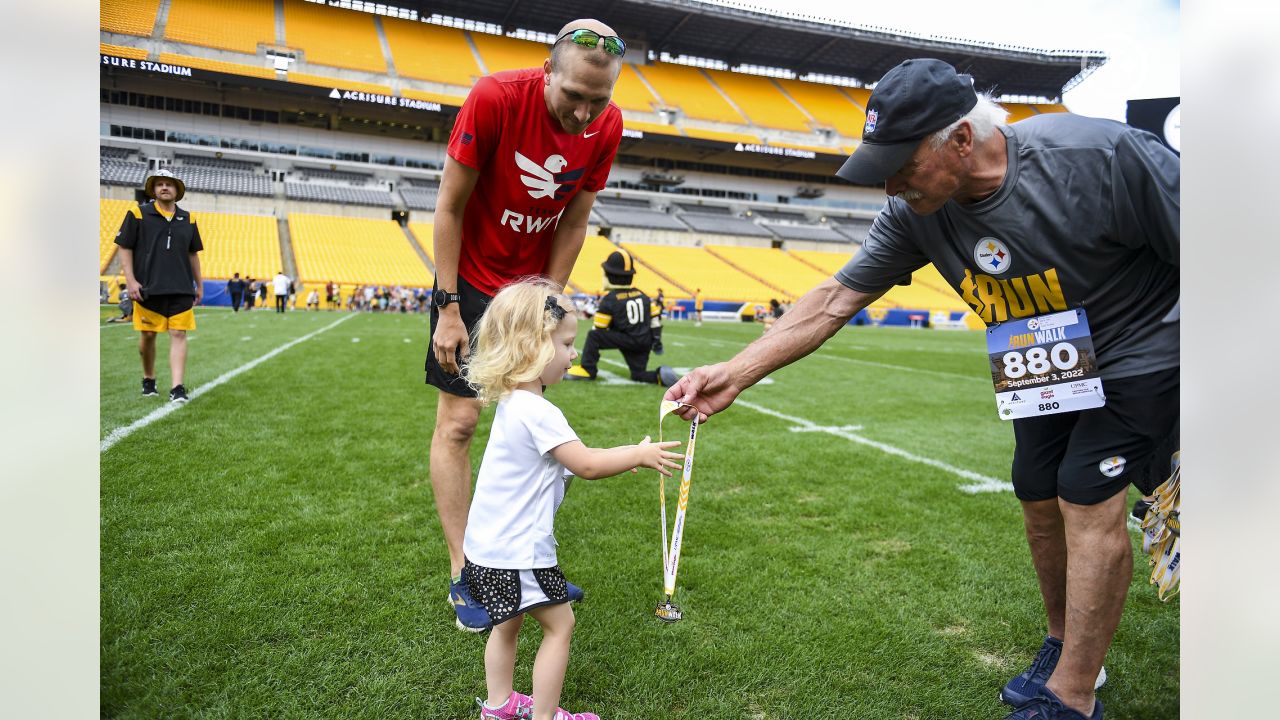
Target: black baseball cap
(911,102)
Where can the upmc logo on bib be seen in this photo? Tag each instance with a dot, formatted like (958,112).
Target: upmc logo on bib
(1044,365)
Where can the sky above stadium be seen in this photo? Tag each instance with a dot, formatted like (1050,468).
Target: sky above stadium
(1140,37)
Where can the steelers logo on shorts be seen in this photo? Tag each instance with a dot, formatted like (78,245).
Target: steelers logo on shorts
(991,255)
(1112,466)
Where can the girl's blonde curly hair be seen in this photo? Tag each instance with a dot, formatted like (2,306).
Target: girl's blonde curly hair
(512,342)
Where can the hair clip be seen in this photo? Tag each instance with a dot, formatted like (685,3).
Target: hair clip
(553,307)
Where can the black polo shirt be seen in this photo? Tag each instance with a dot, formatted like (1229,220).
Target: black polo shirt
(162,249)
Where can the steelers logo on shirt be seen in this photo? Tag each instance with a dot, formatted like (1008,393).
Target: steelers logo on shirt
(991,255)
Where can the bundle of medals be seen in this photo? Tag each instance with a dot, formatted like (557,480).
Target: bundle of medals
(1161,534)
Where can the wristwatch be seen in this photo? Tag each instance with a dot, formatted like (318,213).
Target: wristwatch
(440,298)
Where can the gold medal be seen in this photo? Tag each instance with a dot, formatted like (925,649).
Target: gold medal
(666,610)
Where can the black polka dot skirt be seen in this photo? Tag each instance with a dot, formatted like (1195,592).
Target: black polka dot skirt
(504,594)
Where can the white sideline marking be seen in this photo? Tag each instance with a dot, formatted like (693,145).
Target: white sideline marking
(681,371)
(981,483)
(824,428)
(888,366)
(904,368)
(121,433)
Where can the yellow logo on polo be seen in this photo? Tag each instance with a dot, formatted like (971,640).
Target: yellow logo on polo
(997,300)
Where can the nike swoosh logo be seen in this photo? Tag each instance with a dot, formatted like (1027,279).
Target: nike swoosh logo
(457,600)
(587,135)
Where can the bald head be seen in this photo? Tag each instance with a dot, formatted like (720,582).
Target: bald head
(564,51)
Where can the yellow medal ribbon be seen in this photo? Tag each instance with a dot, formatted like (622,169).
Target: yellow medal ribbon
(666,610)
(1162,534)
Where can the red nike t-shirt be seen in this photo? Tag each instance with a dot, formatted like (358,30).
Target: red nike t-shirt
(530,169)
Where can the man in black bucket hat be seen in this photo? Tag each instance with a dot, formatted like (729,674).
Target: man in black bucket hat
(1057,223)
(627,321)
(159,245)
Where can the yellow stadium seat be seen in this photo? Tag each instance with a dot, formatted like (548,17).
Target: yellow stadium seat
(331,82)
(630,92)
(431,52)
(128,17)
(733,137)
(245,244)
(354,250)
(588,276)
(927,291)
(218,66)
(760,100)
(1018,111)
(827,262)
(652,128)
(333,36)
(694,267)
(774,266)
(504,53)
(122,51)
(687,88)
(424,233)
(442,98)
(110,216)
(828,106)
(237,25)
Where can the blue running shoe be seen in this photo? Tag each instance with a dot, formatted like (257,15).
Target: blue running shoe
(1047,706)
(471,616)
(1021,689)
(573,591)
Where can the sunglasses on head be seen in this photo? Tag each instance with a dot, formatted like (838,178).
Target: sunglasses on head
(613,44)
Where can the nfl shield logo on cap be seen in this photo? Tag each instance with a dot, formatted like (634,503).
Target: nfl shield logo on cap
(872,117)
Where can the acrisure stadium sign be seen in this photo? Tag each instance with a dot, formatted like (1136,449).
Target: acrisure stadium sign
(772,150)
(378,99)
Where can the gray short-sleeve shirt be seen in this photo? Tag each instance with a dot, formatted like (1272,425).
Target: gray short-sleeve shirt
(1087,216)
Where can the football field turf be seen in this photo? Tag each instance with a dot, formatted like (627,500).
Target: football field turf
(271,549)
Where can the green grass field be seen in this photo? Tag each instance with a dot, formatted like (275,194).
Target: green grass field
(271,549)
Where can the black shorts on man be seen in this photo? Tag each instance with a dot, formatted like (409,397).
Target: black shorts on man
(471,307)
(1086,457)
(168,305)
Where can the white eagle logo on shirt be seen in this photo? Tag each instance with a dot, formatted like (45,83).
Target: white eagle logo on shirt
(548,179)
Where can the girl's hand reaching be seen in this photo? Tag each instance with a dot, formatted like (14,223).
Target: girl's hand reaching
(656,456)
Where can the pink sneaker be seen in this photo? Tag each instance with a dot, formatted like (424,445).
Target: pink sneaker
(517,707)
(562,714)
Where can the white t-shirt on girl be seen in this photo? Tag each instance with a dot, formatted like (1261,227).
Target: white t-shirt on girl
(512,520)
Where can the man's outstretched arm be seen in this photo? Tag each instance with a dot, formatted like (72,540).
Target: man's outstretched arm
(818,315)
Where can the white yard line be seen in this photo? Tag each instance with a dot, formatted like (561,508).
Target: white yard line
(121,433)
(980,483)
(887,366)
(904,368)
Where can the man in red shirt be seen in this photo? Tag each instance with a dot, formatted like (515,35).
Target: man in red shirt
(528,153)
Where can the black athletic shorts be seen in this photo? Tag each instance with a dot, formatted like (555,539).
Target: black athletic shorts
(472,306)
(1087,456)
(168,305)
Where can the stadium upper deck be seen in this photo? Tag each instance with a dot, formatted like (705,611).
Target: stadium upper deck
(339,70)
(318,45)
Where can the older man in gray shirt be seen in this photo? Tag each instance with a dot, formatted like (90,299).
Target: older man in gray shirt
(1061,233)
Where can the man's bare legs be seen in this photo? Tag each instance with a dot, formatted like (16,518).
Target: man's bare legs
(456,419)
(1084,568)
(147,349)
(177,355)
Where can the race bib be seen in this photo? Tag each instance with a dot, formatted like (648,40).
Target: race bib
(1044,365)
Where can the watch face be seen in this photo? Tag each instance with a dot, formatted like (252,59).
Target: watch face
(438,297)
